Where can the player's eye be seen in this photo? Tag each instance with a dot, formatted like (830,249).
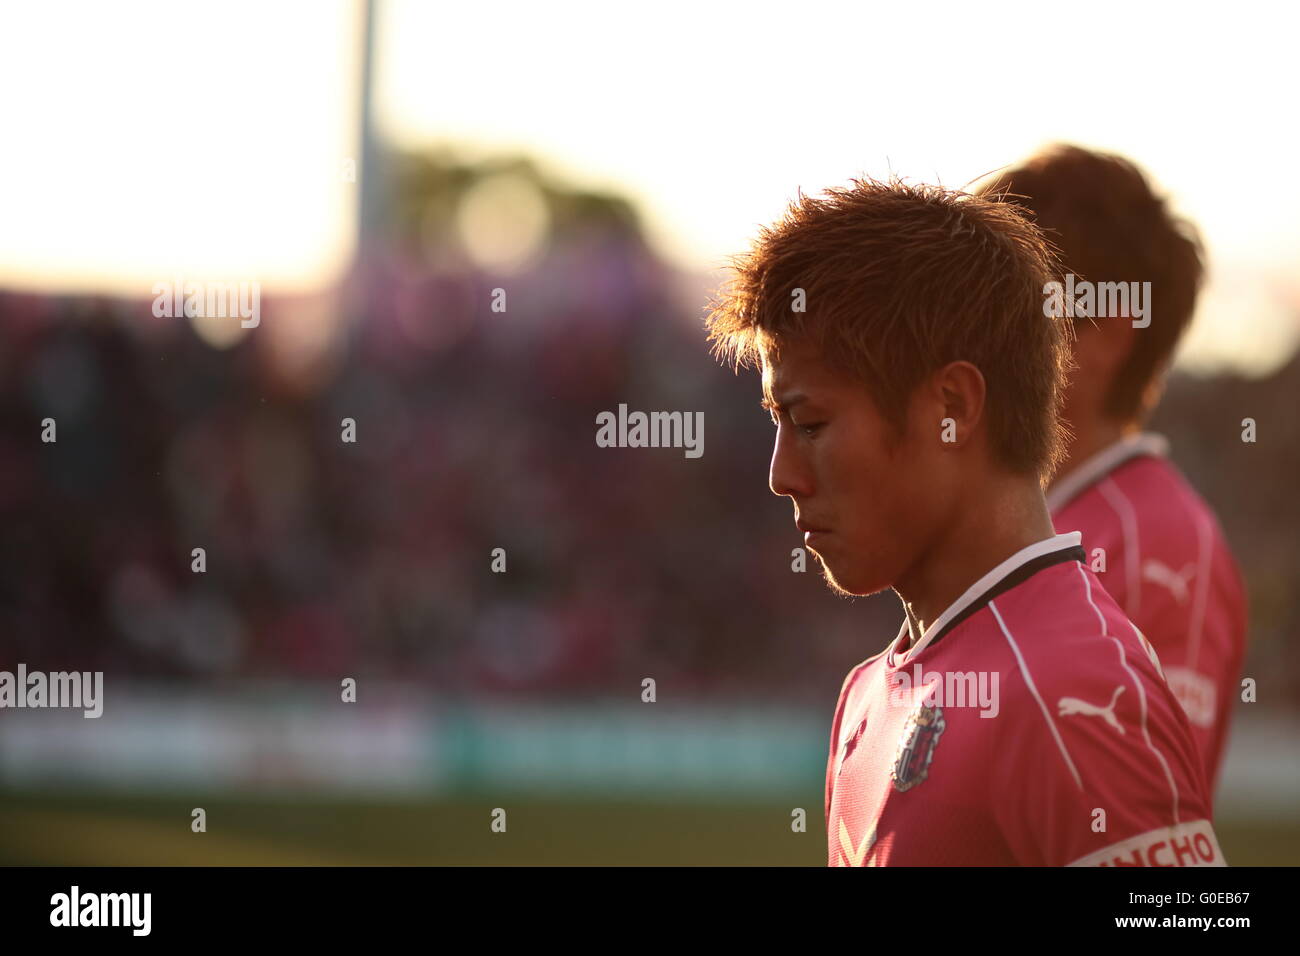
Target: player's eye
(810,429)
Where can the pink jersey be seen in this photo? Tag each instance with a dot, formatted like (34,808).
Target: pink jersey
(1169,569)
(1029,725)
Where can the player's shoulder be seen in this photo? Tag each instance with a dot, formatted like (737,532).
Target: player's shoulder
(854,678)
(851,688)
(1061,602)
(1178,530)
(1163,501)
(1068,636)
(861,668)
(1094,692)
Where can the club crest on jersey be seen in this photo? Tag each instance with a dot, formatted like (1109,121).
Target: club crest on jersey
(916,748)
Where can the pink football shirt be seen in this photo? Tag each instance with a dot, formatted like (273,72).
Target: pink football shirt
(1169,569)
(1029,725)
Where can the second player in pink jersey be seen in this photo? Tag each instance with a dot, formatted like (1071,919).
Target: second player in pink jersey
(1154,542)
(1169,569)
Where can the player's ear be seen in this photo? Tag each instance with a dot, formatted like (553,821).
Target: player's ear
(960,392)
(1112,343)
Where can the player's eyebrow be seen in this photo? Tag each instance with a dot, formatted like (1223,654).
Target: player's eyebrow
(783,406)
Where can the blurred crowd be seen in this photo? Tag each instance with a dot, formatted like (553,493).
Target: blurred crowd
(475,430)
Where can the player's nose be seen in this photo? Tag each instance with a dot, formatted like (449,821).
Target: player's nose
(787,475)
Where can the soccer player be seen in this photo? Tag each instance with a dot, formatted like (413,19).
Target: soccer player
(1156,544)
(913,377)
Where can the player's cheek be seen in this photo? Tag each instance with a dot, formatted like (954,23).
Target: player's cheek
(894,522)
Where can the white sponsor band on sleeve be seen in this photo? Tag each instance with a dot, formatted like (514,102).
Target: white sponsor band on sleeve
(1188,844)
(1195,692)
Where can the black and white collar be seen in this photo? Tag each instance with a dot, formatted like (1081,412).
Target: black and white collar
(1011,572)
(1102,464)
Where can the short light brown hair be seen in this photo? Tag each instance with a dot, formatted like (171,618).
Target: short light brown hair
(1099,210)
(899,280)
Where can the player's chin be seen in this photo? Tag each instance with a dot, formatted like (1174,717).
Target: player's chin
(848,580)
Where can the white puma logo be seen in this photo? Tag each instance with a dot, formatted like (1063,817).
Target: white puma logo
(854,856)
(1162,574)
(1069,706)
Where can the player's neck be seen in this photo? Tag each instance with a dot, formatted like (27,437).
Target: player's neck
(1008,516)
(1089,438)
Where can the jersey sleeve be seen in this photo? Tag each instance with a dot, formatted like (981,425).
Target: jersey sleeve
(1097,767)
(834,743)
(1201,634)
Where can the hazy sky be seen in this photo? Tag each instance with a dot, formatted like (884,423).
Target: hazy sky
(143,139)
(712,114)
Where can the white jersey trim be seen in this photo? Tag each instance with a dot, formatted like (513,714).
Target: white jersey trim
(1059,542)
(1102,464)
(1033,689)
(1128,524)
(1141,695)
(1204,557)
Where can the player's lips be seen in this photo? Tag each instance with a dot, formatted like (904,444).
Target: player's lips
(810,531)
